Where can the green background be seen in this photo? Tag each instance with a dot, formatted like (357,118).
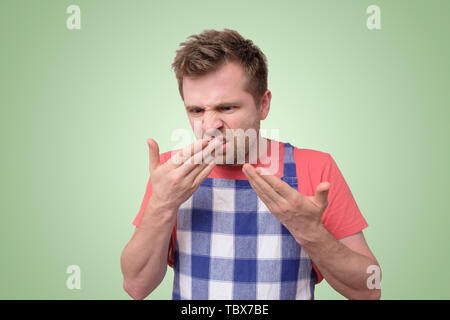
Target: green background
(78,105)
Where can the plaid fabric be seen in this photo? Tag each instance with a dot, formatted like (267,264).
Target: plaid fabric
(230,246)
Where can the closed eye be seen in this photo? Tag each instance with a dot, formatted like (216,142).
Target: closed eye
(196,111)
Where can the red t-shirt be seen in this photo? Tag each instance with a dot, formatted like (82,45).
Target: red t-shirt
(341,218)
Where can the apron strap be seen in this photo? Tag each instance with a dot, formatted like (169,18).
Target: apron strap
(289,163)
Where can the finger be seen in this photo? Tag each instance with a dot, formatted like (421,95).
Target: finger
(204,173)
(281,187)
(321,196)
(199,168)
(271,205)
(261,187)
(153,154)
(190,176)
(202,157)
(180,157)
(207,152)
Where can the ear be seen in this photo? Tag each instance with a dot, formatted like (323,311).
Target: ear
(265,105)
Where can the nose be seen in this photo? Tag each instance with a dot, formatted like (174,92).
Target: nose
(211,123)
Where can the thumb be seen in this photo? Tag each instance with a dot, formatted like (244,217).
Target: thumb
(321,197)
(153,154)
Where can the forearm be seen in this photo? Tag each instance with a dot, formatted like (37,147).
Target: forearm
(144,259)
(344,269)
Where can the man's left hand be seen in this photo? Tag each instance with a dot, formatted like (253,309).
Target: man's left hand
(300,214)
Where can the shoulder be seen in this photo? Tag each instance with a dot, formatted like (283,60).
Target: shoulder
(311,157)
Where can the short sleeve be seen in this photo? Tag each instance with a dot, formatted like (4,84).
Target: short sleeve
(342,216)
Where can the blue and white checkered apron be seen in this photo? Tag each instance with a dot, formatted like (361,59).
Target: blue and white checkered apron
(230,246)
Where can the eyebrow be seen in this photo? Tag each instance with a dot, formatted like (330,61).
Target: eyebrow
(225,104)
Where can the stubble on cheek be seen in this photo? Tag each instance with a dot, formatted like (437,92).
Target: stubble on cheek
(243,147)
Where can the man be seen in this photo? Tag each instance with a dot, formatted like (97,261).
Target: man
(269,229)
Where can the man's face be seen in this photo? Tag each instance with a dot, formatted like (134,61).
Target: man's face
(217,103)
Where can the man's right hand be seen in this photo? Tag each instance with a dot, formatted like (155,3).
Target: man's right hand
(177,179)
